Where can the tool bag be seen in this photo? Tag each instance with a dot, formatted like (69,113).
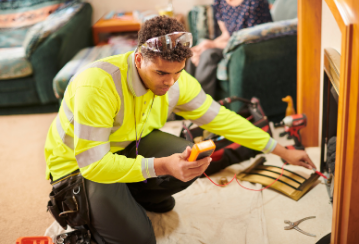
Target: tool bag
(68,201)
(228,152)
(69,206)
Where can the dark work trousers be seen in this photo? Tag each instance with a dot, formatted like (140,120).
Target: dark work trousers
(117,210)
(206,71)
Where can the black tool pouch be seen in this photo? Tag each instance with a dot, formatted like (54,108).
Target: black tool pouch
(68,201)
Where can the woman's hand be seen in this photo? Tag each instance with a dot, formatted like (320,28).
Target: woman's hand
(219,42)
(204,45)
(199,49)
(177,166)
(195,59)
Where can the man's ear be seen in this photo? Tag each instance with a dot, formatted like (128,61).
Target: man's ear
(138,60)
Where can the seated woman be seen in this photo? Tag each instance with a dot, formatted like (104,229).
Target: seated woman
(232,15)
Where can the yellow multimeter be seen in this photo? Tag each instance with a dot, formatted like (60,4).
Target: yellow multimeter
(201,150)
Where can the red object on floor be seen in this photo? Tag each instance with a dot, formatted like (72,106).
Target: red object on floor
(34,240)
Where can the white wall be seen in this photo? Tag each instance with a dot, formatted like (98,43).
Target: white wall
(101,7)
(331,37)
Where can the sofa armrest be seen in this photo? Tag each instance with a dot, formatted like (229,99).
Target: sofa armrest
(266,70)
(52,54)
(258,33)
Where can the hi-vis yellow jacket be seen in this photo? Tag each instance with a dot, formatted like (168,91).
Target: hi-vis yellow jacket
(96,119)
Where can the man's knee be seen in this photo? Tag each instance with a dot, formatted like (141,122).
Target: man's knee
(161,144)
(116,216)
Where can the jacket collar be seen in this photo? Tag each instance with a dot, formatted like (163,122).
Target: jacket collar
(134,81)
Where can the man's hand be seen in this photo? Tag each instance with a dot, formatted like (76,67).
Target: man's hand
(300,158)
(295,157)
(177,166)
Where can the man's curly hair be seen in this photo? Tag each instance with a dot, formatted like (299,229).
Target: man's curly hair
(159,26)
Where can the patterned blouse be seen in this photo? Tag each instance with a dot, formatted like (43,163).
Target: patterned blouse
(248,13)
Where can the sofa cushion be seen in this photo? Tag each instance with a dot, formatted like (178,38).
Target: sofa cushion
(17,16)
(12,37)
(39,32)
(86,56)
(13,63)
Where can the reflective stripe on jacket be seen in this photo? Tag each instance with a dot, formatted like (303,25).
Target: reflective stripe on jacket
(96,119)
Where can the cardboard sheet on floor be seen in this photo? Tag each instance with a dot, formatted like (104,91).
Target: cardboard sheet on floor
(205,213)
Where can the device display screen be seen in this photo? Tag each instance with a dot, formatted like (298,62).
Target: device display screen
(204,154)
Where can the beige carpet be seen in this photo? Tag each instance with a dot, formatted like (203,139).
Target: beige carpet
(205,213)
(24,194)
(23,188)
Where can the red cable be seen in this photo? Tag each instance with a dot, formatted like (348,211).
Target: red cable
(246,187)
(216,183)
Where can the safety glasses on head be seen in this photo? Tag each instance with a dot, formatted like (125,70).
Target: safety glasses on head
(168,42)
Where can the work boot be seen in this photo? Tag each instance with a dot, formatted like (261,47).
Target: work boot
(161,207)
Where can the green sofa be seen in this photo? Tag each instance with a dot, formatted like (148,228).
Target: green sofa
(264,66)
(266,70)
(34,92)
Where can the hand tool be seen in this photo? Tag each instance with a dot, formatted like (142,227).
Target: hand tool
(294,225)
(292,124)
